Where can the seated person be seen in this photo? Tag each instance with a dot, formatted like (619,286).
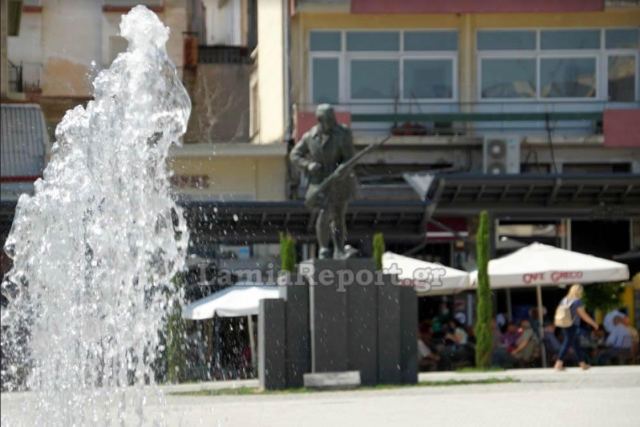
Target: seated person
(635,338)
(427,358)
(456,333)
(528,344)
(441,320)
(618,343)
(499,354)
(610,317)
(457,350)
(510,336)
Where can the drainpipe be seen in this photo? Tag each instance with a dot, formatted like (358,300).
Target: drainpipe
(286,76)
(288,122)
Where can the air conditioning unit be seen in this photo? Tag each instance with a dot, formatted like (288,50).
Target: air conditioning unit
(501,155)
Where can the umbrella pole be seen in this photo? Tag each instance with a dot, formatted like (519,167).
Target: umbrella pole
(543,351)
(252,342)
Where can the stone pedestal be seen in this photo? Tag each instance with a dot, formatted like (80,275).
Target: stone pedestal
(339,316)
(408,335)
(362,322)
(327,315)
(272,344)
(389,369)
(298,342)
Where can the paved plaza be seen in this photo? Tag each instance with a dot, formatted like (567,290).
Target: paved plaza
(601,396)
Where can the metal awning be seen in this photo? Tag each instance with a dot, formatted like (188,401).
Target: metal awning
(24,140)
(539,196)
(24,144)
(263,221)
(611,196)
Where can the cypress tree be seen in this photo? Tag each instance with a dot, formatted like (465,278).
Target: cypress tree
(378,249)
(484,341)
(176,358)
(175,337)
(287,253)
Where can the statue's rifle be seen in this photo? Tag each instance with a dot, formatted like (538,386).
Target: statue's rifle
(341,171)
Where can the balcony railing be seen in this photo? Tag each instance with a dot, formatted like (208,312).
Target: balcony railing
(477,119)
(118,6)
(131,3)
(24,77)
(15,77)
(224,55)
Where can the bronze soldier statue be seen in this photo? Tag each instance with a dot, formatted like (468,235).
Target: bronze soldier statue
(321,154)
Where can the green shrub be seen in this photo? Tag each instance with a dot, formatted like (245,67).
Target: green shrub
(287,253)
(176,346)
(378,249)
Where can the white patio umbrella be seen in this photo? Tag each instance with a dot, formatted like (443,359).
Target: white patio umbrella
(428,278)
(540,265)
(544,265)
(241,299)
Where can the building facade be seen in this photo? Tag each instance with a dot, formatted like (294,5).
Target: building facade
(529,110)
(211,42)
(500,89)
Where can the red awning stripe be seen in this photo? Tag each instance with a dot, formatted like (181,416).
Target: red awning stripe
(475,6)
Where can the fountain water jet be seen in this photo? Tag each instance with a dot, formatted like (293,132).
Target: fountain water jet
(97,245)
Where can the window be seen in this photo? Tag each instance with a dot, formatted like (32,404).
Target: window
(325,41)
(584,64)
(508,78)
(506,40)
(428,78)
(430,40)
(570,39)
(367,41)
(622,64)
(623,39)
(568,77)
(325,80)
(374,79)
(382,66)
(621,72)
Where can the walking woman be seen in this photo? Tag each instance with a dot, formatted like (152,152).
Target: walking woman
(573,301)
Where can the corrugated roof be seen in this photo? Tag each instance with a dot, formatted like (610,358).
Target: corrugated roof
(23,140)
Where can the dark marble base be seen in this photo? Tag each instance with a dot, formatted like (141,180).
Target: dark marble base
(339,315)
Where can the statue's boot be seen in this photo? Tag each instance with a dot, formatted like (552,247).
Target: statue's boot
(325,253)
(338,233)
(345,252)
(350,251)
